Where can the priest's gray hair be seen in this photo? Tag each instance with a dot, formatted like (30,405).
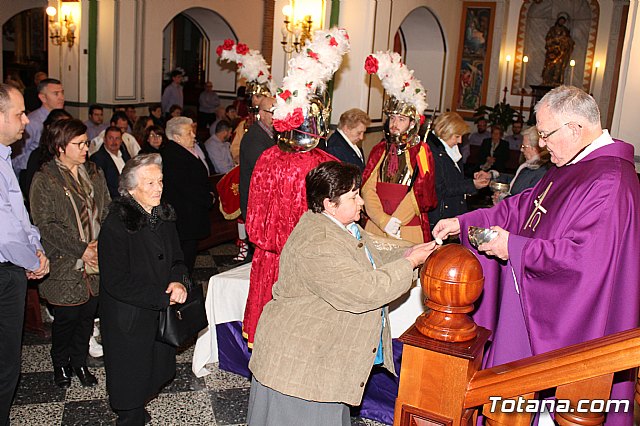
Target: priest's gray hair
(129,176)
(571,101)
(174,126)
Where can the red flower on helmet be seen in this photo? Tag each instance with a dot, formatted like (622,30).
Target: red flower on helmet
(285,95)
(227,45)
(290,122)
(242,49)
(371,64)
(333,42)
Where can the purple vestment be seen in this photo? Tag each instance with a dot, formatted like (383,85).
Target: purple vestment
(576,261)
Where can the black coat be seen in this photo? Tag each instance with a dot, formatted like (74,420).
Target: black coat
(111,173)
(137,263)
(526,179)
(253,144)
(187,189)
(340,148)
(501,154)
(452,186)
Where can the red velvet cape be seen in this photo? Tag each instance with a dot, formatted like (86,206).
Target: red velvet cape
(277,200)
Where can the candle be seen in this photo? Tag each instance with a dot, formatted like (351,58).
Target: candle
(572,64)
(595,75)
(286,11)
(506,75)
(525,59)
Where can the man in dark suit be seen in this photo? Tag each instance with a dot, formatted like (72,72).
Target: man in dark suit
(186,187)
(258,139)
(111,158)
(343,143)
(494,151)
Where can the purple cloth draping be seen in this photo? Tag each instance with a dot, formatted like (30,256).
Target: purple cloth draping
(379,395)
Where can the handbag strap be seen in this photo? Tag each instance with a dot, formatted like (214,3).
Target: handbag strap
(67,192)
(83,237)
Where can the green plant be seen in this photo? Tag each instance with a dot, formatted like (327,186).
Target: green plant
(502,113)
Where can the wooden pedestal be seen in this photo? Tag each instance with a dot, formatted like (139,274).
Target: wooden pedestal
(434,379)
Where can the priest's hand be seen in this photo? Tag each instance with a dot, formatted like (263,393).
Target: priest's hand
(499,246)
(446,227)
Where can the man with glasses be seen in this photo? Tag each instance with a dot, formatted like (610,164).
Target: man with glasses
(564,266)
(255,141)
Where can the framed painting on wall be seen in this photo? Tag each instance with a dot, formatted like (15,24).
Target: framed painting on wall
(474,54)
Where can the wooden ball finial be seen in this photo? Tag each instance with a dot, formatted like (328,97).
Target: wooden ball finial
(452,280)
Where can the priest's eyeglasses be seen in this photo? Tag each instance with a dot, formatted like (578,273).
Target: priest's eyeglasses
(544,135)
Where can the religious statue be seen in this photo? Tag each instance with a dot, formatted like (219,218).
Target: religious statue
(558,46)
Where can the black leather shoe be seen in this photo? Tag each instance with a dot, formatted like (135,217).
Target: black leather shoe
(62,376)
(84,375)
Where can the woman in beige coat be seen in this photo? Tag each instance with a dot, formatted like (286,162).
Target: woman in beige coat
(328,323)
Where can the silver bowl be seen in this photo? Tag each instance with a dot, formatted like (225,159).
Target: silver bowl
(479,235)
(499,187)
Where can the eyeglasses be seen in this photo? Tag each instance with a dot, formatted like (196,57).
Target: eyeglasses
(155,136)
(544,135)
(81,143)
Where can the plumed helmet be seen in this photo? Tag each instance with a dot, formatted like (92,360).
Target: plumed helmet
(301,116)
(306,136)
(406,94)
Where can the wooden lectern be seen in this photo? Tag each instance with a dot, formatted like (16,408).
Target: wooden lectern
(441,382)
(444,348)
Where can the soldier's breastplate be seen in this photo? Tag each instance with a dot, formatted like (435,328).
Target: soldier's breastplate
(402,175)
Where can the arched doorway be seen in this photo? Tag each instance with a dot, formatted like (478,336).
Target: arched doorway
(24,45)
(420,41)
(189,43)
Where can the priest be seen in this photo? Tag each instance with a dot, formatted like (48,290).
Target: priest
(564,267)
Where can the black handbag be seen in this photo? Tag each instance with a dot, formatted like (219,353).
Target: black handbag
(180,322)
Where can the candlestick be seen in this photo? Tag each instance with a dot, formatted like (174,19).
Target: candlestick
(525,59)
(572,64)
(595,75)
(506,80)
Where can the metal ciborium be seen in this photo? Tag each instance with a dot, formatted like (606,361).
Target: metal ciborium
(307,136)
(452,281)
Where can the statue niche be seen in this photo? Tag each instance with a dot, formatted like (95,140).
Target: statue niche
(558,49)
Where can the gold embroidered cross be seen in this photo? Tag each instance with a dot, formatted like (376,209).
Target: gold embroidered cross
(537,212)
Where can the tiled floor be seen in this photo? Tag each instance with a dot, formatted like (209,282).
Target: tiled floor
(218,399)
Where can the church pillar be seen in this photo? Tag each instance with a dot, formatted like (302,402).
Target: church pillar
(611,66)
(69,64)
(624,124)
(368,24)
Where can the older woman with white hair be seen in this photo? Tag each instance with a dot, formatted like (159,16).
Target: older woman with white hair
(142,272)
(535,165)
(186,186)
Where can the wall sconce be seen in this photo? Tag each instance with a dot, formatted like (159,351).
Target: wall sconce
(296,32)
(62,31)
